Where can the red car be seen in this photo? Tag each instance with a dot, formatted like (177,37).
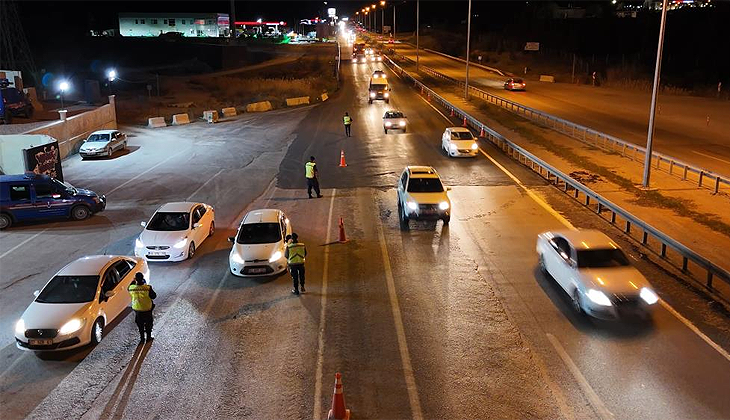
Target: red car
(515,84)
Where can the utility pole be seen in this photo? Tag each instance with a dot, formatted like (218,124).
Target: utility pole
(468,36)
(572,75)
(382,18)
(654,92)
(418,24)
(393,22)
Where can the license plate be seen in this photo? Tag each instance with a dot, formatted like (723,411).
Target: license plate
(428,211)
(156,253)
(46,342)
(257,270)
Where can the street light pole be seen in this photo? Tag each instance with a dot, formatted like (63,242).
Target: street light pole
(393,29)
(654,93)
(418,24)
(468,37)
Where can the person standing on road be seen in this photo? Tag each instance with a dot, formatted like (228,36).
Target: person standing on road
(295,255)
(142,295)
(348,122)
(311,172)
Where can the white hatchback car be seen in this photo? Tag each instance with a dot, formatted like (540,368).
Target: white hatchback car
(422,196)
(259,245)
(103,143)
(596,274)
(394,120)
(175,231)
(73,308)
(459,141)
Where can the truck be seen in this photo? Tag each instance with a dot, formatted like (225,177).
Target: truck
(13,102)
(378,89)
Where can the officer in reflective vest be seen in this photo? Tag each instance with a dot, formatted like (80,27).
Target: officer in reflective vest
(142,295)
(348,121)
(296,254)
(311,173)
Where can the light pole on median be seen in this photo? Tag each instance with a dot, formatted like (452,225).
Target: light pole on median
(382,17)
(418,20)
(654,93)
(393,29)
(468,36)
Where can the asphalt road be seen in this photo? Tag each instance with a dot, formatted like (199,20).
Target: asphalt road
(681,128)
(434,322)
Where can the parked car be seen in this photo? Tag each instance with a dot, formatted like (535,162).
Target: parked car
(515,84)
(259,244)
(422,196)
(175,231)
(13,102)
(459,142)
(32,197)
(103,143)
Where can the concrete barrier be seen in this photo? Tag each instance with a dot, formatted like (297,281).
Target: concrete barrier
(156,122)
(259,106)
(229,112)
(547,78)
(324,97)
(180,119)
(211,116)
(302,100)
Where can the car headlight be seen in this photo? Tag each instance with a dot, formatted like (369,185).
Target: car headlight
(181,243)
(275,256)
(386,94)
(237,258)
(388,123)
(138,243)
(648,295)
(412,205)
(474,146)
(71,326)
(598,297)
(20,326)
(452,146)
(402,123)
(444,205)
(372,94)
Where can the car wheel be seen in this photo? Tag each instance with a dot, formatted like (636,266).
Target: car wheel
(446,219)
(97,331)
(211,231)
(541,263)
(124,146)
(80,212)
(109,151)
(5,221)
(191,250)
(29,112)
(576,302)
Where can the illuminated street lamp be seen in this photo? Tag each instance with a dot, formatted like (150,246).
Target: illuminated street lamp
(382,17)
(111,75)
(63,87)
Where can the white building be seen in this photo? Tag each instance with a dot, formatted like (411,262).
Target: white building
(188,24)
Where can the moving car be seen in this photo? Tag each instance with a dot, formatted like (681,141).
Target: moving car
(13,102)
(103,143)
(422,196)
(596,274)
(515,84)
(360,58)
(394,120)
(459,142)
(378,87)
(376,57)
(79,301)
(259,244)
(175,231)
(32,197)
(379,74)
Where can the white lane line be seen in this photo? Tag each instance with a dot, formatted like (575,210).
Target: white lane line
(436,109)
(710,156)
(145,172)
(12,365)
(204,184)
(317,414)
(696,330)
(400,330)
(30,238)
(595,401)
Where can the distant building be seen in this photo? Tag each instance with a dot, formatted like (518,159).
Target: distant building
(205,25)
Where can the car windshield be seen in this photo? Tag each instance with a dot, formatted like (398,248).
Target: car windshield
(602,258)
(259,233)
(64,186)
(393,114)
(69,289)
(169,221)
(517,80)
(461,135)
(420,185)
(98,138)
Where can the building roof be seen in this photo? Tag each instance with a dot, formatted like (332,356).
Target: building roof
(170,15)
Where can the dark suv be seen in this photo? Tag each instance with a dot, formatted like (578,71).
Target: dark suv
(13,102)
(32,197)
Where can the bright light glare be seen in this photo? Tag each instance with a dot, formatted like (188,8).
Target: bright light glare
(71,326)
(598,297)
(181,243)
(237,258)
(138,243)
(275,256)
(63,86)
(412,205)
(402,123)
(474,146)
(444,205)
(20,326)
(112,74)
(649,296)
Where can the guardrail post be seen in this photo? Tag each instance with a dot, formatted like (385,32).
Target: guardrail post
(623,149)
(664,250)
(599,208)
(588,200)
(702,174)
(645,237)
(658,160)
(709,279)
(628,227)
(671,166)
(684,264)
(684,174)
(576,193)
(717,184)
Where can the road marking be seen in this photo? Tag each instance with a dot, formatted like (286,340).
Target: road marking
(710,156)
(317,414)
(23,243)
(204,184)
(399,329)
(436,109)
(696,330)
(12,365)
(595,401)
(145,172)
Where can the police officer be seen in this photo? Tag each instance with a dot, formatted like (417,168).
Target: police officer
(295,255)
(311,172)
(348,122)
(142,295)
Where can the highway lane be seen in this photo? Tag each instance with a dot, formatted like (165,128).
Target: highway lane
(682,130)
(456,327)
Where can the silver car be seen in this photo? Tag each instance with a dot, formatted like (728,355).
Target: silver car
(394,120)
(103,143)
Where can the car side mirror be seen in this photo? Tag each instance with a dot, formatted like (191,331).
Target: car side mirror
(56,195)
(109,293)
(231,239)
(36,293)
(144,224)
(196,225)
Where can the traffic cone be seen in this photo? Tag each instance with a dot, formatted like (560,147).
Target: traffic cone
(452,112)
(481,133)
(429,96)
(464,122)
(342,159)
(421,90)
(338,411)
(343,238)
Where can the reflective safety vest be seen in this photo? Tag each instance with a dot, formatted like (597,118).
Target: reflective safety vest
(309,169)
(140,297)
(347,120)
(297,252)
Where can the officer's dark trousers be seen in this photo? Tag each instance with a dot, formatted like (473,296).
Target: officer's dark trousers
(312,183)
(297,275)
(144,323)
(347,130)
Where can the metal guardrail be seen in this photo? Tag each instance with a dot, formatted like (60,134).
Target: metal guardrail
(580,191)
(660,161)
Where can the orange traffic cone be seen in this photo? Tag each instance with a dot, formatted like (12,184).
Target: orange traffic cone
(481,133)
(342,159)
(452,112)
(343,238)
(338,411)
(421,90)
(464,122)
(429,96)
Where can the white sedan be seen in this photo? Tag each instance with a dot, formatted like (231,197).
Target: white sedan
(103,143)
(596,274)
(459,142)
(394,120)
(73,308)
(259,245)
(175,231)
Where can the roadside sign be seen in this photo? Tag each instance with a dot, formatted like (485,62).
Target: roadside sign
(532,46)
